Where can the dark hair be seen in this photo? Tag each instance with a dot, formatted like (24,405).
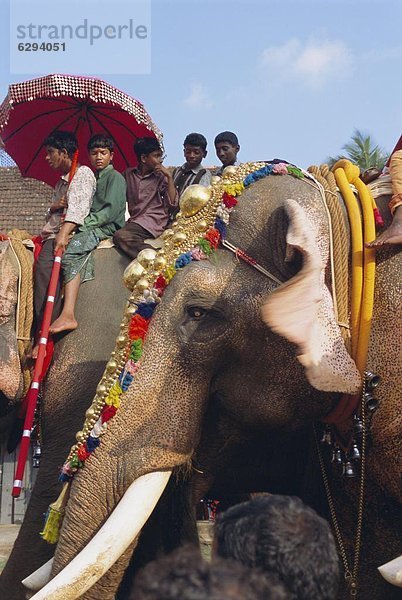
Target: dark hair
(62,140)
(185,575)
(196,139)
(101,140)
(145,145)
(285,538)
(227,136)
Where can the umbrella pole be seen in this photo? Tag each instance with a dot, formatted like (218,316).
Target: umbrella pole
(33,392)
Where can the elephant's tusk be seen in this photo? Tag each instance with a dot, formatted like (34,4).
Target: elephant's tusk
(392,571)
(114,537)
(39,578)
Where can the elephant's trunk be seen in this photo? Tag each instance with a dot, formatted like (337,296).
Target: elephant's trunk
(154,431)
(115,536)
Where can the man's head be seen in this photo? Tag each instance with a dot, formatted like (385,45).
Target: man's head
(227,147)
(149,153)
(100,148)
(284,538)
(185,575)
(60,147)
(195,149)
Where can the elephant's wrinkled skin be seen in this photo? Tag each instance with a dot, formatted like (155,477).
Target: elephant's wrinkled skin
(213,372)
(79,360)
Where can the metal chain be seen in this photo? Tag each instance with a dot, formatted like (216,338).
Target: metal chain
(351,575)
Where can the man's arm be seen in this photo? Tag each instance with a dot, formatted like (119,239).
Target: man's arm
(114,205)
(79,197)
(172,194)
(64,236)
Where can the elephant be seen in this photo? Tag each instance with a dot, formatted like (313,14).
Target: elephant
(78,362)
(233,356)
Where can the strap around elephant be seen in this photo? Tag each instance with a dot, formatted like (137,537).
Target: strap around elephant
(249,260)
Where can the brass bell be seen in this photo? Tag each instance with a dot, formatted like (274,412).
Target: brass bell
(370,402)
(215,179)
(338,456)
(327,437)
(372,380)
(36,454)
(355,453)
(193,199)
(348,469)
(357,425)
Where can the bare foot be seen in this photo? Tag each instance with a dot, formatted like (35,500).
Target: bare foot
(390,237)
(34,353)
(63,324)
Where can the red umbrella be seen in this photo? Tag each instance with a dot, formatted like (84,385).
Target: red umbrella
(33,109)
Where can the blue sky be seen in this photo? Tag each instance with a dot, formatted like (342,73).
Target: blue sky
(292,78)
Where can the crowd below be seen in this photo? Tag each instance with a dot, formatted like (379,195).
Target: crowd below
(271,547)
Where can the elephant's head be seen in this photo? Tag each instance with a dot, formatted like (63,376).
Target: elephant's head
(10,368)
(268,355)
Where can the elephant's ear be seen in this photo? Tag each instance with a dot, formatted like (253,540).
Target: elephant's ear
(301,310)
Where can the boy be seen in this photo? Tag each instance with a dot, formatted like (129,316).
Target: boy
(226,147)
(150,195)
(193,171)
(105,217)
(70,206)
(392,236)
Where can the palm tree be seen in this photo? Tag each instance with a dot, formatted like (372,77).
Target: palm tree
(360,151)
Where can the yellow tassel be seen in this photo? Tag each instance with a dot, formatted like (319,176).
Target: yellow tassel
(54,518)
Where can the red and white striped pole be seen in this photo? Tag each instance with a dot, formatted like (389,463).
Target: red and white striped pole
(32,394)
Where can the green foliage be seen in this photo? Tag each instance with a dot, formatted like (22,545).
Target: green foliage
(361,151)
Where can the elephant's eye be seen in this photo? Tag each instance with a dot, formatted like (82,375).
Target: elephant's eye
(196,313)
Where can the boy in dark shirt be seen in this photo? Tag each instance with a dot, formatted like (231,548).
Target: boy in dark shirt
(227,148)
(150,195)
(192,171)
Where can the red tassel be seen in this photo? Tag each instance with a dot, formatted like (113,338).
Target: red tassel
(83,453)
(213,237)
(138,327)
(108,413)
(228,200)
(160,284)
(378,218)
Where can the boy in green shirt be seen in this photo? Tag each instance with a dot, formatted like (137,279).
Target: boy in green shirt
(107,215)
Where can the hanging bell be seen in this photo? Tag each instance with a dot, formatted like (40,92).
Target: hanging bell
(338,456)
(355,453)
(370,402)
(348,469)
(327,436)
(36,455)
(372,380)
(357,425)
